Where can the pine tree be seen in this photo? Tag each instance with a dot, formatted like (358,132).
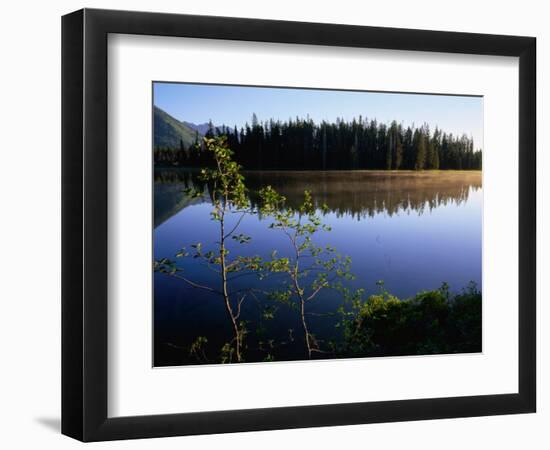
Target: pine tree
(420,161)
(359,144)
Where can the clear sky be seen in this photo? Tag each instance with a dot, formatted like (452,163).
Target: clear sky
(234,105)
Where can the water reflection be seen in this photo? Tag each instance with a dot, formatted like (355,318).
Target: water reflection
(358,194)
(412,230)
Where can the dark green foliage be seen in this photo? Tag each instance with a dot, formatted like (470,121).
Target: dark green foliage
(301,144)
(432,322)
(170,134)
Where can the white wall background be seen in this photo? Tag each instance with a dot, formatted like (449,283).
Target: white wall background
(30,229)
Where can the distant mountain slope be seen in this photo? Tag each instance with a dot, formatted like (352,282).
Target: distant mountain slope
(168,131)
(202,128)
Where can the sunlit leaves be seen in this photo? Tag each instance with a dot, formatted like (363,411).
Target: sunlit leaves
(300,226)
(430,322)
(182,253)
(197,349)
(193,193)
(241,238)
(165,265)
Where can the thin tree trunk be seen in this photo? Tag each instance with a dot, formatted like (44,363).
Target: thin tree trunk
(302,306)
(225,293)
(304,326)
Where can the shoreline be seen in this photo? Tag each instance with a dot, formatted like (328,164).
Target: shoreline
(309,171)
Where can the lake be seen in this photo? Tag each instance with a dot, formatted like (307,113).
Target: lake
(412,230)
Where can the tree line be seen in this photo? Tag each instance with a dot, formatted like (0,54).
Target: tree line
(301,144)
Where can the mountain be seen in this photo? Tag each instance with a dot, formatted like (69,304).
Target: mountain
(168,131)
(202,128)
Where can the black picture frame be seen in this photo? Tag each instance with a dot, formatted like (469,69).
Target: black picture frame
(84,224)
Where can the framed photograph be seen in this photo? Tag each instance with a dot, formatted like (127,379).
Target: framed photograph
(273,224)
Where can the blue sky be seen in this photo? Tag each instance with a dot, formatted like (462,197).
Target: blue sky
(234,105)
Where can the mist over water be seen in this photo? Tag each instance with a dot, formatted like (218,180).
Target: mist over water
(412,230)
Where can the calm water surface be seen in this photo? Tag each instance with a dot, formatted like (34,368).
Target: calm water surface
(411,230)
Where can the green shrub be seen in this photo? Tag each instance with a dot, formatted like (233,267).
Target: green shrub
(432,322)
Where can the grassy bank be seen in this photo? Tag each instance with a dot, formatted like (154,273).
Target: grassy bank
(432,322)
